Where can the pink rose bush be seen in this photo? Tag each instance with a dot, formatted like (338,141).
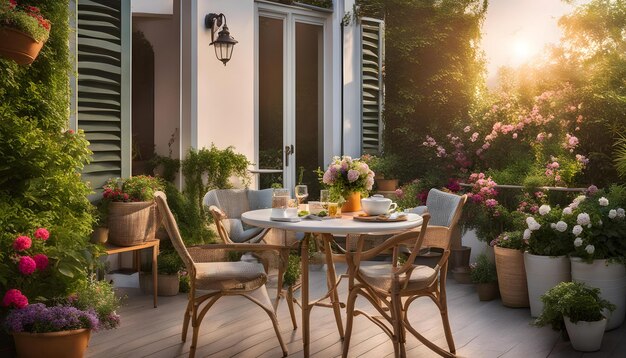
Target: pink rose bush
(346,175)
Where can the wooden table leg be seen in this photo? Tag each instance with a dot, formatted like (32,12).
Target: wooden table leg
(331,280)
(306,307)
(155,252)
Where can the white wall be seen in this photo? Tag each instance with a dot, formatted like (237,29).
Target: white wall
(351,85)
(225,94)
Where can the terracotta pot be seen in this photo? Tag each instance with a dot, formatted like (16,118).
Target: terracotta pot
(100,235)
(352,203)
(387,184)
(511,277)
(64,344)
(487,291)
(18,46)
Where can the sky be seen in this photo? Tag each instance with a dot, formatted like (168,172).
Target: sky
(516,30)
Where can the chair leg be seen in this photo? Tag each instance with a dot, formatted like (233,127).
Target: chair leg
(349,321)
(188,312)
(396,318)
(195,324)
(446,327)
(277,330)
(292,311)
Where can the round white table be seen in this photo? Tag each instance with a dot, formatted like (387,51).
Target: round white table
(326,228)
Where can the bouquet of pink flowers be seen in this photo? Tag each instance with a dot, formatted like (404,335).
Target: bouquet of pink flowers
(346,175)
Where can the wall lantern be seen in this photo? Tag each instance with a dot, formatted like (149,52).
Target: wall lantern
(224,43)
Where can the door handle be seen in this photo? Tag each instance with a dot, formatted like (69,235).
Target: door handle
(288,151)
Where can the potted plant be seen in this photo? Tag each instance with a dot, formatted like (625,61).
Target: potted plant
(484,276)
(23,31)
(132,216)
(385,167)
(100,233)
(508,248)
(316,257)
(545,260)
(169,267)
(580,309)
(63,328)
(348,178)
(598,228)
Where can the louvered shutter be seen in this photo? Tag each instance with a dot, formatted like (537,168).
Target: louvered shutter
(103,103)
(372,56)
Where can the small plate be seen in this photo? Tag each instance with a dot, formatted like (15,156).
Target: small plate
(318,218)
(289,220)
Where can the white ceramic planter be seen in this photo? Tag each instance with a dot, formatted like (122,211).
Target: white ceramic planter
(543,273)
(585,336)
(610,278)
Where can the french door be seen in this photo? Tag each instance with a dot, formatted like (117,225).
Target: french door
(290,98)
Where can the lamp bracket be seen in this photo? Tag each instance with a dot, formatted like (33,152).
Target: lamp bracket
(213,21)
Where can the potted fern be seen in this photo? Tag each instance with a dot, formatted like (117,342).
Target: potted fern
(580,309)
(23,31)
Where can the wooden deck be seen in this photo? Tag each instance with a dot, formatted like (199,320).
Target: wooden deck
(237,328)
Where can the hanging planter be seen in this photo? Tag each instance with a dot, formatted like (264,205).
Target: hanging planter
(18,46)
(23,32)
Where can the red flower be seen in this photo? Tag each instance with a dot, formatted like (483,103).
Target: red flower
(33,9)
(12,4)
(42,234)
(41,261)
(22,243)
(16,298)
(27,265)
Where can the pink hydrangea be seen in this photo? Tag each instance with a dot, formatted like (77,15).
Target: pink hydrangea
(592,190)
(42,234)
(22,243)
(14,298)
(41,261)
(399,193)
(490,203)
(474,137)
(353,175)
(27,265)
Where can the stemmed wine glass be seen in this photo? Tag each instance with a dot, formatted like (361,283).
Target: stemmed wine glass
(301,194)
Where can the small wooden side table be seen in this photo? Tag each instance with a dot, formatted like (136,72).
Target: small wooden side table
(154,244)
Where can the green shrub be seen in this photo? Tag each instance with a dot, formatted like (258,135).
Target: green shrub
(574,300)
(169,263)
(483,270)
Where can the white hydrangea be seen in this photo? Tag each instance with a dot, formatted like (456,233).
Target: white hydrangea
(561,226)
(527,233)
(532,223)
(552,226)
(620,213)
(612,214)
(579,199)
(590,249)
(544,209)
(603,201)
(567,211)
(577,230)
(583,219)
(578,242)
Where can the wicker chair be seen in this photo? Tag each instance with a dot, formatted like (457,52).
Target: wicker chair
(218,279)
(226,207)
(386,285)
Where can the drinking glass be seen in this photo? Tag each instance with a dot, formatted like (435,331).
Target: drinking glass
(324,198)
(301,194)
(333,210)
(280,198)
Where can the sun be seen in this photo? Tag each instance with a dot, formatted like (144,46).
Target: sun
(522,51)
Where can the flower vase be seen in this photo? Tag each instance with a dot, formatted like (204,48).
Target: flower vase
(63,344)
(352,203)
(18,46)
(610,278)
(543,273)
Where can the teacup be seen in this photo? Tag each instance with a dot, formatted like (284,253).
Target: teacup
(378,205)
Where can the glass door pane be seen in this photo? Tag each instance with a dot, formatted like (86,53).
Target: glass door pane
(270,100)
(309,98)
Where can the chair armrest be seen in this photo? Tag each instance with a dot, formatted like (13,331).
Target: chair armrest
(243,247)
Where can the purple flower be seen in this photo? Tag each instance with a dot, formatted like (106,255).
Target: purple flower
(353,175)
(37,318)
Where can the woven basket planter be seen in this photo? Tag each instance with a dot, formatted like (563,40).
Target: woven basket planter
(511,277)
(131,223)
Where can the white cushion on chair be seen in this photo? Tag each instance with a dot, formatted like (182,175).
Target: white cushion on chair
(229,275)
(379,276)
